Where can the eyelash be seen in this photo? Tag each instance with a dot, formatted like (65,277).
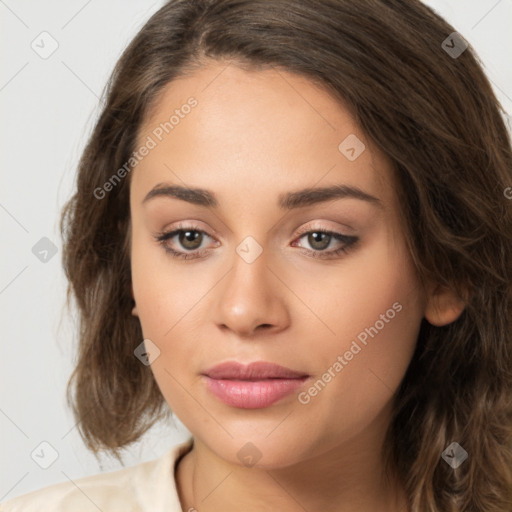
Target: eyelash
(349,241)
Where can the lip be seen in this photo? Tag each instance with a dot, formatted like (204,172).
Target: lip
(253,386)
(257,370)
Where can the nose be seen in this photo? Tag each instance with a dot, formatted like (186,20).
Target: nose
(252,298)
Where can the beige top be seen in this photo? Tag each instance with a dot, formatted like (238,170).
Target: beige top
(146,487)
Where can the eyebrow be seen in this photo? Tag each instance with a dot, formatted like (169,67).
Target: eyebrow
(287,201)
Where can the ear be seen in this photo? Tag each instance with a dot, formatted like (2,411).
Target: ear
(134,310)
(443,306)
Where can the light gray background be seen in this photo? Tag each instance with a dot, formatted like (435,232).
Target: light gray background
(48,107)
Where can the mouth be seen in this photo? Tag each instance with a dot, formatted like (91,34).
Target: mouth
(254,386)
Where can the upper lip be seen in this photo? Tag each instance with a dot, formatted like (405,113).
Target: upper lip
(253,371)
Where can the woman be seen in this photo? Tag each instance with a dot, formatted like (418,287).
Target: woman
(291,228)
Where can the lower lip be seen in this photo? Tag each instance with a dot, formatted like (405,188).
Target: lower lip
(247,394)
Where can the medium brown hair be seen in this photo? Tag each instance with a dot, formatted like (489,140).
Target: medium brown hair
(435,116)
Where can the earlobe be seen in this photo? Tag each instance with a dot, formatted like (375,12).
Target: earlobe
(443,306)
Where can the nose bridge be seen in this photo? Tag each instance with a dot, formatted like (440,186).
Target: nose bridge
(250,271)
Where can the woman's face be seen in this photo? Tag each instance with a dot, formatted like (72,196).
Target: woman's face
(261,283)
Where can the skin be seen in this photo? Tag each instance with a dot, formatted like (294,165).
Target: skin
(253,136)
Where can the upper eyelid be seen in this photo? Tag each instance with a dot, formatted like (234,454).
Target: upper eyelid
(191,227)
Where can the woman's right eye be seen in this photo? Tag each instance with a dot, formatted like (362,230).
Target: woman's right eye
(188,237)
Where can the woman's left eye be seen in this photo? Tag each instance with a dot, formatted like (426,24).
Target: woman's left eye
(321,238)
(191,237)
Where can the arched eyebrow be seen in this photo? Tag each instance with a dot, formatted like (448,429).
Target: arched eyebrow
(287,201)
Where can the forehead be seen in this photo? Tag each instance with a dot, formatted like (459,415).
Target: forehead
(259,131)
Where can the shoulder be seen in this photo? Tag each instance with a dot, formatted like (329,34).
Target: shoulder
(146,486)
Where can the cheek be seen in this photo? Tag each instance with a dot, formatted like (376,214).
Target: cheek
(169,306)
(376,315)
(163,291)
(165,302)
